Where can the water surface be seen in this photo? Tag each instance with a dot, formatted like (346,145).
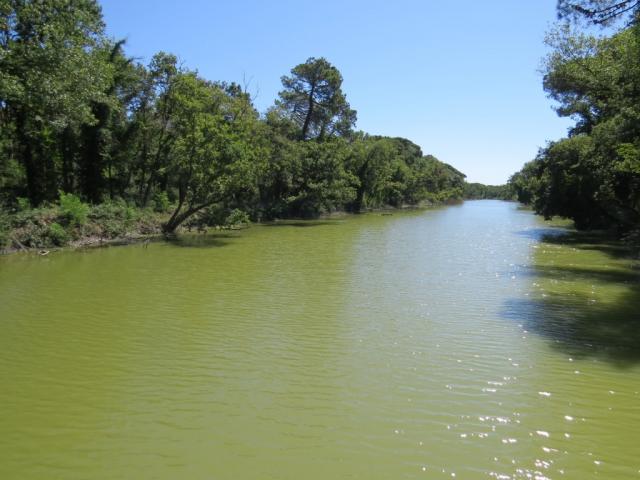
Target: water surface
(451,342)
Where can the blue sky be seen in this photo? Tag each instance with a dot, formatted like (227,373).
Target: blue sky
(460,79)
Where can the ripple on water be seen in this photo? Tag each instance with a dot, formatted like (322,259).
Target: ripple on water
(401,346)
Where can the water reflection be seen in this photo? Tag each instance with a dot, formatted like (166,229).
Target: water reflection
(300,223)
(207,240)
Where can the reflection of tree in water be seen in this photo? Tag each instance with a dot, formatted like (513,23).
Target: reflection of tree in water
(567,313)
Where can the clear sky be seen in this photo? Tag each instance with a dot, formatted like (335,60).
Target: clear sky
(459,78)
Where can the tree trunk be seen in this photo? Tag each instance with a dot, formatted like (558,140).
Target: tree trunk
(359,201)
(307,120)
(35,184)
(68,153)
(163,148)
(164,145)
(94,154)
(178,217)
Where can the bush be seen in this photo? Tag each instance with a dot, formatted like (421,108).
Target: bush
(113,219)
(52,225)
(31,227)
(57,234)
(161,202)
(73,209)
(237,218)
(23,204)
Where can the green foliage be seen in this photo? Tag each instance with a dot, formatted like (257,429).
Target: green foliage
(57,234)
(479,191)
(237,218)
(5,228)
(51,226)
(319,181)
(161,202)
(73,210)
(112,219)
(23,204)
(593,176)
(215,153)
(30,228)
(308,178)
(372,161)
(629,158)
(11,173)
(313,100)
(50,76)
(140,142)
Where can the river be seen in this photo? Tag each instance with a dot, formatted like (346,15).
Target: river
(444,343)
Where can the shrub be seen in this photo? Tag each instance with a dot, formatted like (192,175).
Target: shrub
(115,218)
(237,218)
(73,209)
(57,234)
(161,202)
(131,215)
(23,204)
(110,218)
(31,227)
(212,215)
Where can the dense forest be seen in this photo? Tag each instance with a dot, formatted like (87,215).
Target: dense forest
(94,143)
(593,175)
(480,191)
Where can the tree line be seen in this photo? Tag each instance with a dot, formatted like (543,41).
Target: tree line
(480,191)
(593,175)
(80,119)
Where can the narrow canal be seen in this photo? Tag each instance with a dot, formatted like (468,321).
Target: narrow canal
(451,342)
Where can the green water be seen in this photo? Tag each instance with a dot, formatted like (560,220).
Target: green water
(452,342)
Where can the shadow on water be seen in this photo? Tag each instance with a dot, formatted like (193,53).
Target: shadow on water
(542,233)
(299,223)
(202,240)
(580,274)
(586,297)
(597,241)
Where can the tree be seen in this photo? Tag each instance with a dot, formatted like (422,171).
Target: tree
(319,181)
(49,77)
(304,179)
(592,177)
(78,115)
(478,191)
(154,116)
(100,139)
(215,152)
(371,162)
(313,99)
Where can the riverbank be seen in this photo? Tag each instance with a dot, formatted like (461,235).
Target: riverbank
(72,224)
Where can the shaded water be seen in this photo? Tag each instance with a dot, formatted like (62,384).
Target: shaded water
(445,343)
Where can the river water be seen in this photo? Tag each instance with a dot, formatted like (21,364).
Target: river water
(451,342)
